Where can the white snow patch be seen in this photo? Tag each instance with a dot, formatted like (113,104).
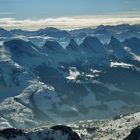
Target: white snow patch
(121,64)
(73,73)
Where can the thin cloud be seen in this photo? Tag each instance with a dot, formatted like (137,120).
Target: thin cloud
(70,22)
(7,13)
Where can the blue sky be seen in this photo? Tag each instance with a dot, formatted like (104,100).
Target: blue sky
(23,9)
(43,9)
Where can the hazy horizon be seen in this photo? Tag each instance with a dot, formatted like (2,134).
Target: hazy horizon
(35,14)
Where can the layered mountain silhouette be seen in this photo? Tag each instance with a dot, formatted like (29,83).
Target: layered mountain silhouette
(84,79)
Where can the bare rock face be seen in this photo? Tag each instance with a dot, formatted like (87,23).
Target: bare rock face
(58,132)
(11,133)
(134,135)
(67,130)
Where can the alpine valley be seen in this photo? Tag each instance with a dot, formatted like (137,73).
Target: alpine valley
(52,76)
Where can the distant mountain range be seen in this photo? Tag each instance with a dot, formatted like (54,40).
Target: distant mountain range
(104,33)
(55,76)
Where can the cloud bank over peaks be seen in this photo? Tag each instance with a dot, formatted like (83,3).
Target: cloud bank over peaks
(70,22)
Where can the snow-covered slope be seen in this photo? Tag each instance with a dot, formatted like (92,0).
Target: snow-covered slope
(117,128)
(49,84)
(67,96)
(13,77)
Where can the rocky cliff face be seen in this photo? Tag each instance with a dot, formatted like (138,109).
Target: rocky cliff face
(58,132)
(134,135)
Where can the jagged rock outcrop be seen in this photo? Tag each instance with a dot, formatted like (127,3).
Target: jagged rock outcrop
(72,46)
(134,135)
(58,132)
(117,50)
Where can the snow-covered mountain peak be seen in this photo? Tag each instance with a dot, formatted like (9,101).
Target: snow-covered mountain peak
(93,43)
(52,46)
(114,42)
(117,49)
(53,32)
(72,45)
(24,52)
(92,40)
(18,47)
